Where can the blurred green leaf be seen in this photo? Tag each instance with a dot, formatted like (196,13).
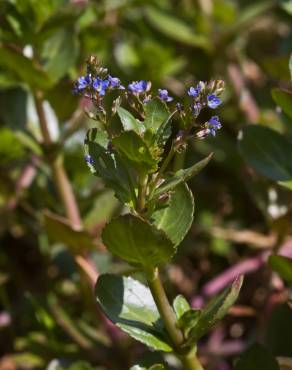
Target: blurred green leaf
(215,311)
(257,358)
(129,304)
(290,66)
(283,266)
(176,218)
(60,52)
(182,176)
(13,108)
(25,69)
(10,148)
(176,29)
(286,5)
(267,151)
(59,229)
(137,241)
(283,99)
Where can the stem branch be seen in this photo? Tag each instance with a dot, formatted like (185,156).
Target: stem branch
(189,360)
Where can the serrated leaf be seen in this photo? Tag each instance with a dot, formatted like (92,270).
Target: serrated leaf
(283,266)
(137,241)
(108,166)
(130,305)
(257,358)
(283,99)
(59,229)
(215,311)
(176,218)
(182,176)
(267,151)
(134,152)
(180,306)
(156,112)
(129,122)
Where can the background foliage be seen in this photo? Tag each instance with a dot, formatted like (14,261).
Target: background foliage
(48,316)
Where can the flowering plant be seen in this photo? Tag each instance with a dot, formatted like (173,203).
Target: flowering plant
(131,149)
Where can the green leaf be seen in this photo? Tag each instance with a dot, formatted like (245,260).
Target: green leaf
(129,304)
(189,320)
(257,358)
(11,149)
(60,53)
(182,176)
(290,66)
(153,367)
(283,99)
(286,5)
(180,306)
(59,229)
(129,122)
(108,166)
(176,29)
(134,152)
(156,112)
(267,151)
(137,241)
(176,218)
(25,69)
(283,266)
(215,311)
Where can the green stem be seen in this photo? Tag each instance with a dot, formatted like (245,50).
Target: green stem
(141,201)
(189,360)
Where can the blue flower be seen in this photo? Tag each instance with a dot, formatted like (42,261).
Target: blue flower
(213,125)
(137,87)
(163,95)
(88,159)
(213,101)
(82,83)
(100,85)
(195,91)
(115,82)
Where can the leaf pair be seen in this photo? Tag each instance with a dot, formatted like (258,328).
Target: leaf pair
(196,323)
(129,304)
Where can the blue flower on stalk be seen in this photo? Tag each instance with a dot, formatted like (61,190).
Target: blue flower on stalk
(137,87)
(82,83)
(194,92)
(88,159)
(213,101)
(213,125)
(163,95)
(100,85)
(115,82)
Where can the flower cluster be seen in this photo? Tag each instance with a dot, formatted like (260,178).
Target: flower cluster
(98,82)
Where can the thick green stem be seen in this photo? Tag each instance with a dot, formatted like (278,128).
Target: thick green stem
(189,360)
(141,201)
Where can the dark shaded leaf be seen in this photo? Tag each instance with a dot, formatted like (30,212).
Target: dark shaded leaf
(283,266)
(129,304)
